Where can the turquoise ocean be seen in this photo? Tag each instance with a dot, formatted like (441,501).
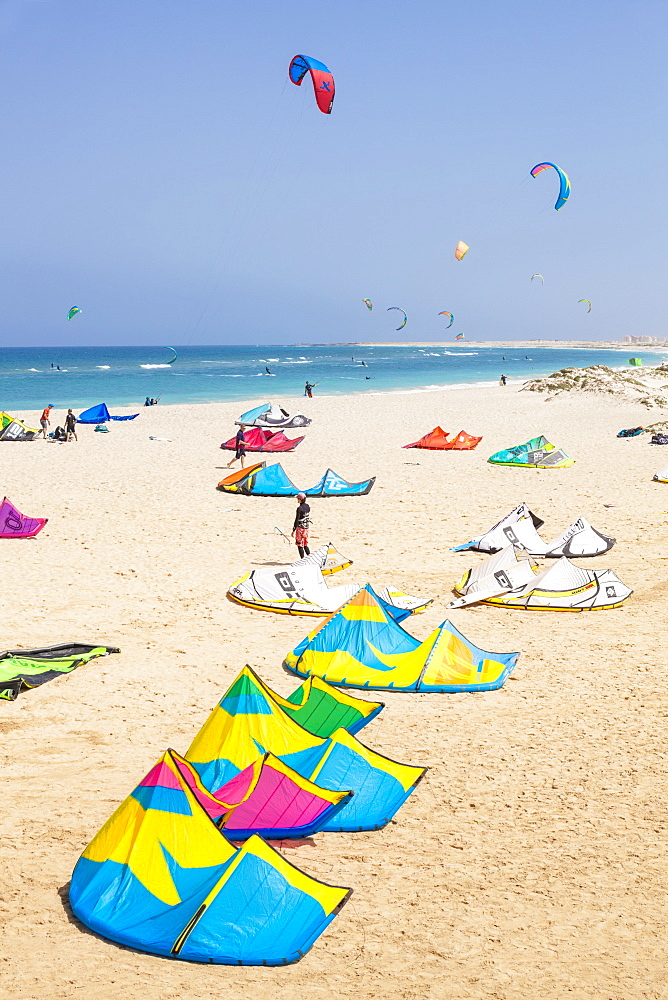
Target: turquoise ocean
(124,376)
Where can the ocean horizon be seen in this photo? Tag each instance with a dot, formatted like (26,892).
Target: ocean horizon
(124,376)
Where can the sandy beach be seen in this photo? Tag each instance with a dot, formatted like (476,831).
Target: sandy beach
(529,863)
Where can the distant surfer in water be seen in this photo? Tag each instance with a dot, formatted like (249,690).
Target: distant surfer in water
(267,370)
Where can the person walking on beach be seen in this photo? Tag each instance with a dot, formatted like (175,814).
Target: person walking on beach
(44,419)
(240,448)
(301,526)
(70,426)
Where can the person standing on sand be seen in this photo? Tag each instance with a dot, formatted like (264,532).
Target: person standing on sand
(240,447)
(70,426)
(301,526)
(44,419)
(502,380)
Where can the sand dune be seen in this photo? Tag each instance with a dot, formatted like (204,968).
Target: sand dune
(531,860)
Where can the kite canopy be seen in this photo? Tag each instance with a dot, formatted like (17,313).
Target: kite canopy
(13,429)
(537,275)
(321,709)
(588,303)
(272,481)
(301,590)
(323,81)
(437,440)
(73,312)
(248,717)
(580,540)
(368,303)
(259,439)
(661,477)
(512,579)
(537,453)
(636,362)
(461,250)
(403,312)
(452,318)
(267,798)
(327,559)
(99,415)
(460,336)
(362,646)
(269,415)
(160,877)
(22,669)
(14,524)
(564,183)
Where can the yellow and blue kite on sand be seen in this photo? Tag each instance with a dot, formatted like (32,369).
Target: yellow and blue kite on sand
(249,721)
(161,877)
(361,646)
(537,453)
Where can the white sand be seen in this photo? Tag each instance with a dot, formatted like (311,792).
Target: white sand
(530,863)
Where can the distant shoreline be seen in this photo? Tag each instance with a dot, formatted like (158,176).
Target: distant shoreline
(553,345)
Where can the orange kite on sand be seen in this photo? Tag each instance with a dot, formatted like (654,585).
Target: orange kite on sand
(437,440)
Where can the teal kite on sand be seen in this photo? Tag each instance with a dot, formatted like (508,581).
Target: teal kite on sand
(537,453)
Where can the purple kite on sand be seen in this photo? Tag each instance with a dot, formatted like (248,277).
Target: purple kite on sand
(14,524)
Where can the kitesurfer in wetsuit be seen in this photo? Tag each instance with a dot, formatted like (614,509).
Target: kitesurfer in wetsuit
(301,526)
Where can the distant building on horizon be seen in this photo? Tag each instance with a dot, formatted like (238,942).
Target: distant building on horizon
(645,339)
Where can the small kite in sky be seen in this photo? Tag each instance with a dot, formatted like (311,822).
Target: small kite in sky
(564,183)
(405,319)
(323,81)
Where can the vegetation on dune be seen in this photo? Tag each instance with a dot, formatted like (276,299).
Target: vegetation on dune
(629,386)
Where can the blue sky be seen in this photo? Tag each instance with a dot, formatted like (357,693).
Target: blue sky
(160,172)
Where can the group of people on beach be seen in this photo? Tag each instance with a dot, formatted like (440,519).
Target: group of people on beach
(65,433)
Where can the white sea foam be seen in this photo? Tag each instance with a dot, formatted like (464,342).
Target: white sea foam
(103,367)
(155,366)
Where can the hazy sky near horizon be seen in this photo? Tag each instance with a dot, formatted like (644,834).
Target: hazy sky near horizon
(160,172)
